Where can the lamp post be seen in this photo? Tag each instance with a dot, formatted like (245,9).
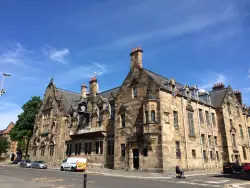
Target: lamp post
(2,91)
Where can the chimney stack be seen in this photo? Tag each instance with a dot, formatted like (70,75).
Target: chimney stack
(238,95)
(136,57)
(83,91)
(218,86)
(93,86)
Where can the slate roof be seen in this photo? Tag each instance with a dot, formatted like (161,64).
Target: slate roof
(161,80)
(107,94)
(217,97)
(70,97)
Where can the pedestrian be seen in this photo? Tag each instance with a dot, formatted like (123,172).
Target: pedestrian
(179,171)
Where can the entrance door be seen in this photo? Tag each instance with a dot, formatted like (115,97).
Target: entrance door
(136,158)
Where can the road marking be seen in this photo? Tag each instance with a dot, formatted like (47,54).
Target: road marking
(216,182)
(239,185)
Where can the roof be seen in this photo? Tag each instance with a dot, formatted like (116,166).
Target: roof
(68,98)
(7,129)
(217,97)
(1,131)
(107,94)
(161,80)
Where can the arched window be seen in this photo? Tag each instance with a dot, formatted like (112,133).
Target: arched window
(153,115)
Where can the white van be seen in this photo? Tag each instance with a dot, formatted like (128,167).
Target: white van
(74,164)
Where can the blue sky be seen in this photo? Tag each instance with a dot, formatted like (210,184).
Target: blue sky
(194,41)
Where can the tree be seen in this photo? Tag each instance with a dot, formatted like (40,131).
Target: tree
(4,145)
(22,132)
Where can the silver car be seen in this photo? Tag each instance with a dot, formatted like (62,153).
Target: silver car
(26,163)
(39,165)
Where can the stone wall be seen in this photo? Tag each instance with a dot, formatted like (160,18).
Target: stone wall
(171,134)
(234,119)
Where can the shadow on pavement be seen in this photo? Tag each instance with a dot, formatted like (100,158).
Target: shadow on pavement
(237,176)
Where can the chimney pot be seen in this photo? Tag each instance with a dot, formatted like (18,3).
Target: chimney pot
(136,57)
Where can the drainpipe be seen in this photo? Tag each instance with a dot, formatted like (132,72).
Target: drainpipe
(183,114)
(199,122)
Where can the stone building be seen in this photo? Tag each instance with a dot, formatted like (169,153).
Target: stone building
(6,133)
(234,123)
(161,123)
(48,142)
(149,123)
(91,126)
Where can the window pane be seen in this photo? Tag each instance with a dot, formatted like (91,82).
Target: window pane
(201,116)
(123,150)
(152,115)
(176,126)
(97,147)
(101,147)
(123,120)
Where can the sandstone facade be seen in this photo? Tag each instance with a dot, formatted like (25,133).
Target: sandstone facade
(48,141)
(149,123)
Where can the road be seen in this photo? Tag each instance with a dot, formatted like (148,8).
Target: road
(15,177)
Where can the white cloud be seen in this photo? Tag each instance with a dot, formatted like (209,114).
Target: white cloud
(8,113)
(57,55)
(211,79)
(81,73)
(16,55)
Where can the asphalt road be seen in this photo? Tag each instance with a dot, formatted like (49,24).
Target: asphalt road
(16,177)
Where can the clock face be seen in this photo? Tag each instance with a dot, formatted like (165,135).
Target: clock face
(83,108)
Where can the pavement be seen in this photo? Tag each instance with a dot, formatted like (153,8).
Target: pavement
(12,176)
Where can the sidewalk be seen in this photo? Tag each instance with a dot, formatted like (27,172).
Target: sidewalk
(145,175)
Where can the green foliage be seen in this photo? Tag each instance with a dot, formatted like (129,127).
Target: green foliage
(22,132)
(4,145)
(26,120)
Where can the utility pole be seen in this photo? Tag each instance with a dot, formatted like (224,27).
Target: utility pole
(2,91)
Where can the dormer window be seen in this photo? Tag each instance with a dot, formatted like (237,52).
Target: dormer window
(188,94)
(134,90)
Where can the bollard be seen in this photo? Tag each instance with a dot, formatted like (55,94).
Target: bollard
(84,180)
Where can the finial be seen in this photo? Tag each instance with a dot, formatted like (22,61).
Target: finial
(138,47)
(52,80)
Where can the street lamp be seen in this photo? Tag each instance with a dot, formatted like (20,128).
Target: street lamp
(2,91)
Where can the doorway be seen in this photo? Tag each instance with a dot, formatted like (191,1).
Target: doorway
(136,158)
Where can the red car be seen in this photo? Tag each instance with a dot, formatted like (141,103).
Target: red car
(246,167)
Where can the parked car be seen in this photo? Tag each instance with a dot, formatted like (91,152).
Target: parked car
(14,162)
(246,167)
(74,164)
(26,163)
(231,168)
(39,165)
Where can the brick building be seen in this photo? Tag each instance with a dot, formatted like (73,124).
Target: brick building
(13,144)
(149,123)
